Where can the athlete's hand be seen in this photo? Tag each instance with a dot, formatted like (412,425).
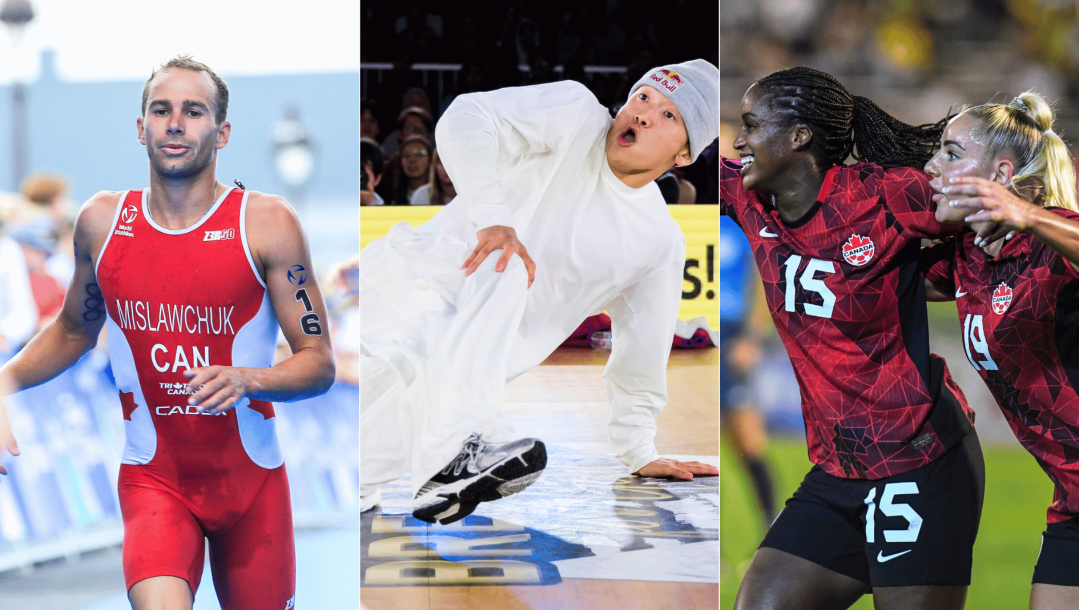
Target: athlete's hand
(7,439)
(1002,212)
(495,238)
(666,467)
(219,387)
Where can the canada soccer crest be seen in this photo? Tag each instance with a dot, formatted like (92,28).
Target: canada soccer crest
(858,250)
(1002,298)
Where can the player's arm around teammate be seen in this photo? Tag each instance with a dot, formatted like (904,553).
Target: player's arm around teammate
(75,331)
(283,260)
(1005,172)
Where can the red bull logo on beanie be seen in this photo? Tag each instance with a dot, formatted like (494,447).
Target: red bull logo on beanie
(668,79)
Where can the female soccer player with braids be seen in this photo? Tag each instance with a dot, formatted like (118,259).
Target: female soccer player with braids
(1018,299)
(893,502)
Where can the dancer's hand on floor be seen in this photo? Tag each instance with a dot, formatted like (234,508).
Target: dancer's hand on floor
(666,467)
(505,239)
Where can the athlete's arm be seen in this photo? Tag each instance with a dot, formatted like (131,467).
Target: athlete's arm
(643,318)
(985,200)
(278,246)
(936,264)
(480,131)
(74,332)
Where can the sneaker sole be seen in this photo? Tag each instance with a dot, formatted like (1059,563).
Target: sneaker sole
(511,476)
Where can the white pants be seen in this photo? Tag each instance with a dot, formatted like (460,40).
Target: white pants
(435,347)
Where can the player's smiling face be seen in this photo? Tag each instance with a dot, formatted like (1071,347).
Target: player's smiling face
(962,153)
(762,142)
(647,135)
(179,129)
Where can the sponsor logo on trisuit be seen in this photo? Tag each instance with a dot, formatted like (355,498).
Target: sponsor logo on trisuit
(127,216)
(219,235)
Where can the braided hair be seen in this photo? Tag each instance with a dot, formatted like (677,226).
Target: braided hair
(849,124)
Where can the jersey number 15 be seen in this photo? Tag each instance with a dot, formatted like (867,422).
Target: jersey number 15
(810,284)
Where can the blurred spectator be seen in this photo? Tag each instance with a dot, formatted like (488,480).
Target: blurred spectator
(417,20)
(406,171)
(526,42)
(703,173)
(472,80)
(370,120)
(38,241)
(48,195)
(413,121)
(373,162)
(18,313)
(420,32)
(439,189)
(342,284)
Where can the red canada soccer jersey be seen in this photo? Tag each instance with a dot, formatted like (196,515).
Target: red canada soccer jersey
(843,288)
(1019,314)
(179,299)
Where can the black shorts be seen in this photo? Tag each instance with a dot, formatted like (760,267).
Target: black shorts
(1058,559)
(915,528)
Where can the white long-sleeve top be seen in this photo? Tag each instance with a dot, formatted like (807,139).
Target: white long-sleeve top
(18,312)
(533,158)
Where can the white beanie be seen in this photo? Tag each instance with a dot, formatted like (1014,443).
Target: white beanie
(693,86)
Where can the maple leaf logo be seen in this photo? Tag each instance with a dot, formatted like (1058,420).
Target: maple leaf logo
(1002,298)
(127,402)
(858,250)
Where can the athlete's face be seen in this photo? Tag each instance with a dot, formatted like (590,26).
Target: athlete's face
(415,160)
(962,153)
(762,142)
(648,135)
(180,131)
(369,127)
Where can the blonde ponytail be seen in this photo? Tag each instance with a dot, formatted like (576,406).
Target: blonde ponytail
(1024,130)
(1052,162)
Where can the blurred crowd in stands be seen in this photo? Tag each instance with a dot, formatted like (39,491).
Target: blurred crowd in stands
(915,58)
(37,257)
(418,55)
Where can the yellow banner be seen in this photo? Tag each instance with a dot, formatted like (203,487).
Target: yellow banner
(699,223)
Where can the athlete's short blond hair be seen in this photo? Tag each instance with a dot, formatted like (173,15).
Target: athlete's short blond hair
(185,62)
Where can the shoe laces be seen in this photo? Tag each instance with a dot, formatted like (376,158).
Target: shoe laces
(473,446)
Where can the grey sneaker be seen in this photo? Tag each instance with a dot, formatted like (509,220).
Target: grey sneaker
(480,473)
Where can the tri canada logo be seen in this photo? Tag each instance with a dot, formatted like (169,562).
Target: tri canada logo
(1002,298)
(858,250)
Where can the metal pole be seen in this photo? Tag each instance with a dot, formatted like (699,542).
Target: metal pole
(19,139)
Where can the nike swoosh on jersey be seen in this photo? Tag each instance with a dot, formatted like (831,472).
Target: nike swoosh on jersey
(960,293)
(764,233)
(882,558)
